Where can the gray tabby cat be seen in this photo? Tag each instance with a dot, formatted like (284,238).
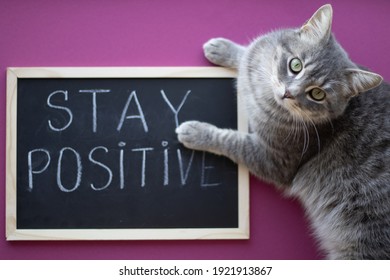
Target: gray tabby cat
(319,130)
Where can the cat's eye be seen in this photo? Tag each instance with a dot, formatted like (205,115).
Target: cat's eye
(317,94)
(295,65)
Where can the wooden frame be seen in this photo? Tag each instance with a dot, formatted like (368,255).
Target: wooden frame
(13,233)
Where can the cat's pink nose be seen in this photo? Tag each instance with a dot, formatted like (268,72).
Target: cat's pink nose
(288,94)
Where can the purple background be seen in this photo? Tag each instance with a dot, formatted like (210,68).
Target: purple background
(171,33)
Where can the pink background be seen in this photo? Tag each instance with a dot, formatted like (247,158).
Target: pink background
(171,33)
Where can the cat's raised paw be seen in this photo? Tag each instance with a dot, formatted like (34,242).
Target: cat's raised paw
(222,52)
(194,134)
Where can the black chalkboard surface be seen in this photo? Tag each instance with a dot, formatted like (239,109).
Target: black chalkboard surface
(97,154)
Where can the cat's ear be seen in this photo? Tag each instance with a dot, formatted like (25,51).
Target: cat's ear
(362,81)
(318,27)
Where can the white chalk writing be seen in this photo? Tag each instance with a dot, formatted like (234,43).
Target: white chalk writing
(203,175)
(31,172)
(94,105)
(143,150)
(119,165)
(67,110)
(78,173)
(140,115)
(166,163)
(184,174)
(105,167)
(175,111)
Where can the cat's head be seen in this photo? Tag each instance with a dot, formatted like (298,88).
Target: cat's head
(306,72)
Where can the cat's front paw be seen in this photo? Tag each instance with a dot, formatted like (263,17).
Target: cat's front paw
(221,52)
(195,135)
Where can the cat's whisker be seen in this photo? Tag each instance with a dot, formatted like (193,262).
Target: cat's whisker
(306,136)
(315,130)
(317,134)
(303,128)
(292,131)
(297,129)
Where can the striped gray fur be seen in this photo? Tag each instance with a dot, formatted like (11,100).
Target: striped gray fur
(331,153)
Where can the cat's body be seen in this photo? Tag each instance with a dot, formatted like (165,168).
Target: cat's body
(319,130)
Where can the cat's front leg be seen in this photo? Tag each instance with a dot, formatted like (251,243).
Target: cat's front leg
(223,52)
(242,148)
(206,137)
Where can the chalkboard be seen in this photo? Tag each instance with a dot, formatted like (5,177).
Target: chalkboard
(93,154)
